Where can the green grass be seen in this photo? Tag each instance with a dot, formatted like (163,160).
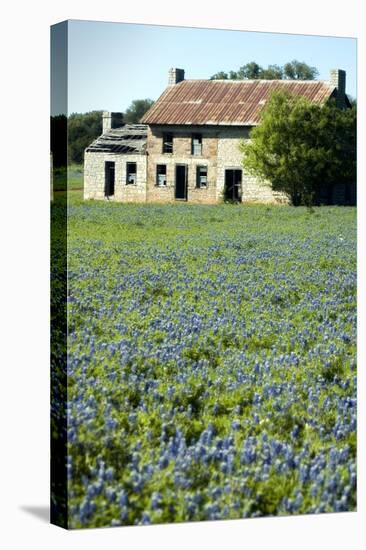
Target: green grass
(75,178)
(183,319)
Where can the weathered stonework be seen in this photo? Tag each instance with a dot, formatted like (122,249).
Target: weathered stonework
(94,177)
(229,156)
(338,80)
(220,151)
(182,154)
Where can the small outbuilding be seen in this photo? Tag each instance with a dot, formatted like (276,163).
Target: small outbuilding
(115,163)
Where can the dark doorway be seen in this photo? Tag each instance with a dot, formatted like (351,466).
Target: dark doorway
(232,191)
(181,181)
(109,179)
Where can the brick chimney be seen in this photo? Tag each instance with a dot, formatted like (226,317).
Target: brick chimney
(112,120)
(175,76)
(338,80)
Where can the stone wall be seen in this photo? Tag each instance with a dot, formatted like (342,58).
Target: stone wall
(94,177)
(220,151)
(229,156)
(338,80)
(182,154)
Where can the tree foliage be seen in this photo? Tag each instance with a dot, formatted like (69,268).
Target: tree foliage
(82,130)
(136,110)
(221,75)
(300,146)
(298,70)
(74,134)
(294,70)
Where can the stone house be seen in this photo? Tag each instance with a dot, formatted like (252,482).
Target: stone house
(187,145)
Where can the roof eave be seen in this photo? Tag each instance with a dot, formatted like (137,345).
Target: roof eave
(208,123)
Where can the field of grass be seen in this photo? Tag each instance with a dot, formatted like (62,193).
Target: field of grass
(75,178)
(212,362)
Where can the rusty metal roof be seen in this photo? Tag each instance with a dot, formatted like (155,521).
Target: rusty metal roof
(226,102)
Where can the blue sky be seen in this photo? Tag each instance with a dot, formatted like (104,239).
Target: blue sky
(110,64)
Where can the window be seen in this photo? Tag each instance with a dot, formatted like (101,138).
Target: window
(130,173)
(161,175)
(196,144)
(201,176)
(167,143)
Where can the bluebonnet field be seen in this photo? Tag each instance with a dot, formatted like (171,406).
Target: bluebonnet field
(212,362)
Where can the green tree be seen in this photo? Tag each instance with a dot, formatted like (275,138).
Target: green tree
(233,75)
(273,72)
(136,110)
(221,75)
(295,70)
(82,130)
(299,70)
(300,146)
(250,71)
